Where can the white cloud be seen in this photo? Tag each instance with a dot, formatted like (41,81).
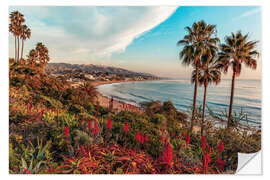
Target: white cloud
(249,13)
(88,33)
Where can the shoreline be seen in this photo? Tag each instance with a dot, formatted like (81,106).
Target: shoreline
(118,105)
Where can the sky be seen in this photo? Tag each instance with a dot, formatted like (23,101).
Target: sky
(141,39)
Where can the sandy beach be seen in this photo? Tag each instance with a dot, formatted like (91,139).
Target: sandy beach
(119,106)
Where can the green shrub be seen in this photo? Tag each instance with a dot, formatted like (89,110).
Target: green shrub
(90,108)
(159,119)
(49,102)
(76,108)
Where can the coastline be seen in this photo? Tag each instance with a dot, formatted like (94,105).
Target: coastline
(118,105)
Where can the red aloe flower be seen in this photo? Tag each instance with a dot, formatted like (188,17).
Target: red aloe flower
(146,138)
(138,136)
(165,140)
(161,130)
(203,143)
(89,126)
(40,100)
(29,106)
(42,113)
(187,139)
(220,146)
(160,138)
(203,140)
(160,157)
(180,145)
(109,124)
(168,155)
(206,161)
(96,129)
(27,171)
(82,150)
(66,133)
(172,134)
(126,127)
(221,164)
(142,139)
(183,135)
(111,101)
(209,149)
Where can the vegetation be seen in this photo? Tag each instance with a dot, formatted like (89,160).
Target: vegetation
(49,128)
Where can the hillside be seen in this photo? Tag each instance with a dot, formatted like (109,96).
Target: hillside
(62,68)
(54,128)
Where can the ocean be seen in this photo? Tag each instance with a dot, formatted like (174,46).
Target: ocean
(247,97)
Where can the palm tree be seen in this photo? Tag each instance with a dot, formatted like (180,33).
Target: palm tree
(26,33)
(200,40)
(39,56)
(12,29)
(208,74)
(236,50)
(15,27)
(43,54)
(32,57)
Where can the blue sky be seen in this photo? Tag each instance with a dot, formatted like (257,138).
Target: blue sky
(136,38)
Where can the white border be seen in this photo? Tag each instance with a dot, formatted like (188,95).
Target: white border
(4,73)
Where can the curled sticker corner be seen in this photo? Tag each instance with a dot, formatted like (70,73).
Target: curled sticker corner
(249,164)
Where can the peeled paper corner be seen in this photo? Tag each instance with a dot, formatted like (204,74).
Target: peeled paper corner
(249,164)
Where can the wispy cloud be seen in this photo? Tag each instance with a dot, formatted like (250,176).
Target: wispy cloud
(249,13)
(88,33)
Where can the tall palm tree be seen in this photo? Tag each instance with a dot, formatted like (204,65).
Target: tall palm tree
(26,34)
(208,74)
(12,29)
(200,40)
(16,20)
(237,50)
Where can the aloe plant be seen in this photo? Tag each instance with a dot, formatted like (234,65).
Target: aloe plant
(35,156)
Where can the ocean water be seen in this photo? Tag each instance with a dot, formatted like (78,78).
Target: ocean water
(247,97)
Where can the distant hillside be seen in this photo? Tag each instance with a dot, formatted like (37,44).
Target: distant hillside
(62,68)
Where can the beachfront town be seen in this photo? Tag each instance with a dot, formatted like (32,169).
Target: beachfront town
(79,74)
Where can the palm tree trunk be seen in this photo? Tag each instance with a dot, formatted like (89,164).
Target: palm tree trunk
(22,50)
(18,55)
(15,49)
(230,123)
(204,104)
(194,97)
